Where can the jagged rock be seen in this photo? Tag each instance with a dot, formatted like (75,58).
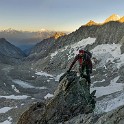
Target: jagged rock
(114,117)
(71,98)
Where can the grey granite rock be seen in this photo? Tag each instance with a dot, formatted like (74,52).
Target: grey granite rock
(71,98)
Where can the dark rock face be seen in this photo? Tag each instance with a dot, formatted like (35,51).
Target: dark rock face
(10,50)
(9,54)
(71,98)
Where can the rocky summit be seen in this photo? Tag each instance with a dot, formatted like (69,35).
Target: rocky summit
(71,98)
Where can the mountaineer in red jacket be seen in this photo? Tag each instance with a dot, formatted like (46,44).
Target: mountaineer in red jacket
(85,65)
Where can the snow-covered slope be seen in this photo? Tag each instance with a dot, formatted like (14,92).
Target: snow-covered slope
(107,78)
(73,48)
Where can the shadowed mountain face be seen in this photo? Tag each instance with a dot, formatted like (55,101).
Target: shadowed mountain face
(9,53)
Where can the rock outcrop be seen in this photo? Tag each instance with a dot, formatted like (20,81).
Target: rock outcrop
(71,98)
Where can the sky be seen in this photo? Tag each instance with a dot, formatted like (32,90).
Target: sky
(57,15)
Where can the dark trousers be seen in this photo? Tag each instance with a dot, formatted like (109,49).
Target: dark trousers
(85,69)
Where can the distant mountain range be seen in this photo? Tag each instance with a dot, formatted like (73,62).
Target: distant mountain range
(25,39)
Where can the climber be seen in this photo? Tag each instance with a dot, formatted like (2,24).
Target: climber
(85,65)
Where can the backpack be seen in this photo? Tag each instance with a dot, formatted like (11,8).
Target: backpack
(88,53)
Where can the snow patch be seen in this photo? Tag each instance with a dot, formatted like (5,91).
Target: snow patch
(98,81)
(109,103)
(108,52)
(58,77)
(15,97)
(6,122)
(32,98)
(26,84)
(112,88)
(9,118)
(5,109)
(15,89)
(73,49)
(43,74)
(92,85)
(54,54)
(48,96)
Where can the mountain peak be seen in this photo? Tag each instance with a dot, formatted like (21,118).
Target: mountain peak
(43,30)
(58,34)
(121,19)
(113,17)
(90,23)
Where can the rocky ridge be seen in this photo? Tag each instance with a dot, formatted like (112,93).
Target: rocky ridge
(9,53)
(108,33)
(71,98)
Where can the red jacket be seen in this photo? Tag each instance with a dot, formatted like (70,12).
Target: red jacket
(85,59)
